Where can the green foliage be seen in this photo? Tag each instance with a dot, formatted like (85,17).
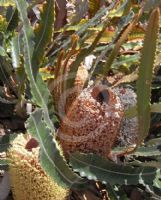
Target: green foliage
(81,56)
(43,34)
(123,37)
(96,168)
(13,21)
(41,97)
(144,151)
(114,35)
(50,158)
(145,75)
(40,93)
(82,28)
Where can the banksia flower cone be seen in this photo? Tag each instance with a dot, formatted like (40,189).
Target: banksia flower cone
(92,122)
(28,180)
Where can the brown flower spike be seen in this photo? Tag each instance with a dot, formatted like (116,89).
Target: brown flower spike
(92,122)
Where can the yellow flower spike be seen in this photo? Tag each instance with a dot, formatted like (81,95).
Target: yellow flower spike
(28,180)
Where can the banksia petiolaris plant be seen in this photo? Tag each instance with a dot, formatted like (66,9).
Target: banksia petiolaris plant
(92,122)
(93,118)
(28,179)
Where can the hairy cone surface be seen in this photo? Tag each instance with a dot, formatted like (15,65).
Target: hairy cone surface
(129,127)
(92,122)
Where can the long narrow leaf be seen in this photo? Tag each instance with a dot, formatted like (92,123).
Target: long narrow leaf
(145,75)
(40,93)
(50,157)
(96,168)
(144,151)
(43,34)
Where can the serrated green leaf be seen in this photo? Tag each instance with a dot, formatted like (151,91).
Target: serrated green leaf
(17,63)
(50,158)
(29,46)
(145,75)
(27,31)
(43,34)
(96,168)
(40,93)
(148,151)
